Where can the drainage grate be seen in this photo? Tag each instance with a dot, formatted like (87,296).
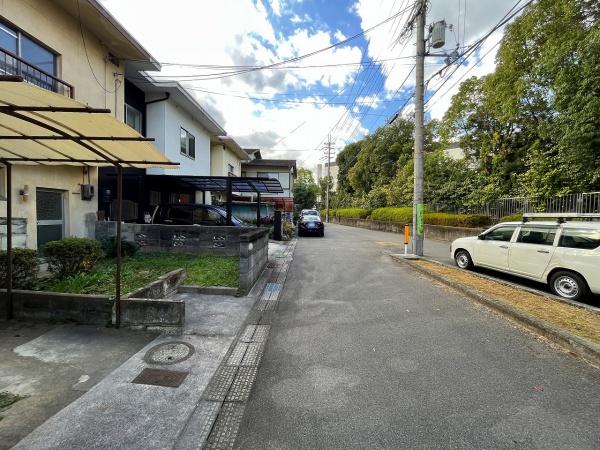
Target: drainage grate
(253,354)
(247,334)
(221,382)
(226,427)
(160,377)
(198,426)
(271,265)
(261,333)
(169,353)
(236,356)
(242,384)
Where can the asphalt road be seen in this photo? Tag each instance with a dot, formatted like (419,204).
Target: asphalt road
(365,353)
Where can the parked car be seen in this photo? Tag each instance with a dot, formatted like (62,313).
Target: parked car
(311,225)
(565,256)
(309,212)
(194,214)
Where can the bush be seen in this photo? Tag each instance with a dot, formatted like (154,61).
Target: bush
(402,215)
(25,268)
(288,231)
(512,218)
(72,255)
(457,220)
(128,248)
(351,213)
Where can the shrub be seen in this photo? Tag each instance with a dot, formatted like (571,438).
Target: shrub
(512,218)
(351,213)
(128,248)
(288,231)
(457,220)
(402,215)
(72,255)
(25,268)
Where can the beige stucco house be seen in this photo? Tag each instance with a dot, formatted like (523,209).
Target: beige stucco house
(226,158)
(77,49)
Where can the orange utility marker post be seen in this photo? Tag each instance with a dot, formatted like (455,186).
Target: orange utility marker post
(406,235)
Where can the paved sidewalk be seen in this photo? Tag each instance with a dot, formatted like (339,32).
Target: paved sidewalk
(117,413)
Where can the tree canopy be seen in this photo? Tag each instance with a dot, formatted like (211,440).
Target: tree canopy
(530,128)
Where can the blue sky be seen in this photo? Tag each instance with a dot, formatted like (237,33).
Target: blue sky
(304,107)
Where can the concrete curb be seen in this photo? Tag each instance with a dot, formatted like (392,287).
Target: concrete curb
(574,344)
(208,290)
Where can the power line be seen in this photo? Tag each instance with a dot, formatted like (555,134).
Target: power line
(87,56)
(301,57)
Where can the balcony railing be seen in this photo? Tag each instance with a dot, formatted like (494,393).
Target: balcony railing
(11,64)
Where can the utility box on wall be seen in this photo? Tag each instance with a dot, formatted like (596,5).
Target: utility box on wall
(87,191)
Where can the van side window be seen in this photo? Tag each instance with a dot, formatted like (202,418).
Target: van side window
(500,234)
(537,235)
(585,239)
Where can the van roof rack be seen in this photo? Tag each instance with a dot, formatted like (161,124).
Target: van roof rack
(560,217)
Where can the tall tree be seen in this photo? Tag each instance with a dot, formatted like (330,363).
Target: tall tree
(305,189)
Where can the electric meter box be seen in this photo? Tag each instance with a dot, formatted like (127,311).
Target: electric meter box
(87,191)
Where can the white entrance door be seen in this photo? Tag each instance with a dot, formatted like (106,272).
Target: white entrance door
(50,216)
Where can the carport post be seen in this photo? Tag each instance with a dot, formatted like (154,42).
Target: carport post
(258,209)
(9,250)
(229,188)
(118,273)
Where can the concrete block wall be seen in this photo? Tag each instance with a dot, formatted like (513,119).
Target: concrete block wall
(45,306)
(254,252)
(198,240)
(153,314)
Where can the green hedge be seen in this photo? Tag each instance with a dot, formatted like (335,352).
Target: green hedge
(512,218)
(73,255)
(403,215)
(457,220)
(25,268)
(350,213)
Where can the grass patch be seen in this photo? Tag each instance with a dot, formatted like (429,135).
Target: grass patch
(578,321)
(144,268)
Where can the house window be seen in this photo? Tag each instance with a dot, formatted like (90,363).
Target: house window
(14,41)
(187,143)
(230,170)
(133,118)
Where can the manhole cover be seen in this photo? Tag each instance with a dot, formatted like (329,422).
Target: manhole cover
(160,377)
(169,353)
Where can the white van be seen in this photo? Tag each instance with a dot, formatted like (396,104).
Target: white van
(565,255)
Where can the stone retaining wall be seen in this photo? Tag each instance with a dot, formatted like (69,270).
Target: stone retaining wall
(437,232)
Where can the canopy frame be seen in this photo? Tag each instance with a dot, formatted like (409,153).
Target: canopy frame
(86,142)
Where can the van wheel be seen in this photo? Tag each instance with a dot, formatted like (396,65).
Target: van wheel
(568,285)
(463,259)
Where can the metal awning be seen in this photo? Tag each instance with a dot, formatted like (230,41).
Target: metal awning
(258,185)
(41,127)
(38,126)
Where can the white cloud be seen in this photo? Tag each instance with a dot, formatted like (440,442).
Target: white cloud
(238,32)
(276,7)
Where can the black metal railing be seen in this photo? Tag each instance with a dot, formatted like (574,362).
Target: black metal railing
(11,64)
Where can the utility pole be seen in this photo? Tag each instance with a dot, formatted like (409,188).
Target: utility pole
(328,144)
(418,207)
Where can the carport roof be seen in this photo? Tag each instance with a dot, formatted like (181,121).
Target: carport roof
(219,184)
(41,127)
